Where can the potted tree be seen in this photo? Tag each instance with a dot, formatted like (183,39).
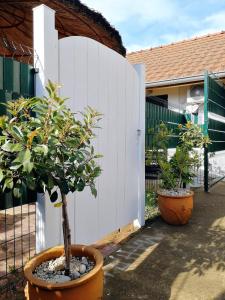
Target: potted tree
(44,147)
(174,199)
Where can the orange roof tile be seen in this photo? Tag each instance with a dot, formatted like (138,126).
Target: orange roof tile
(183,59)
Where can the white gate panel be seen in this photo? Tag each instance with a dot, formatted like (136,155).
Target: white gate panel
(92,74)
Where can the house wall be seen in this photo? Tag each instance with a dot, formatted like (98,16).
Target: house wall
(177,96)
(177,99)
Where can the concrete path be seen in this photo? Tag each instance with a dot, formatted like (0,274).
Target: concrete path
(178,263)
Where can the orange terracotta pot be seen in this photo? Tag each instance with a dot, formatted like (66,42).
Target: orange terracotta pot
(176,210)
(88,287)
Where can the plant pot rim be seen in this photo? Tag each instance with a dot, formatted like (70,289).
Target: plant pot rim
(160,193)
(51,253)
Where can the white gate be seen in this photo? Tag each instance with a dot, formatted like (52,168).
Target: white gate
(94,75)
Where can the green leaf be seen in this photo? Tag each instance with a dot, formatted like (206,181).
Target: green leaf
(10,147)
(1,175)
(50,183)
(23,156)
(92,150)
(88,168)
(24,159)
(15,165)
(30,183)
(8,184)
(28,166)
(97,171)
(93,191)
(80,169)
(54,196)
(17,192)
(59,204)
(98,156)
(17,132)
(64,187)
(41,149)
(80,185)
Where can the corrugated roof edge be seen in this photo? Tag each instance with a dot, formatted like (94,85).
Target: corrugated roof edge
(99,18)
(178,42)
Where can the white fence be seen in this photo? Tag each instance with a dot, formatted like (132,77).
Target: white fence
(95,75)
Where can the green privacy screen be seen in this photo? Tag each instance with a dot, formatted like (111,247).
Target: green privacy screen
(216,97)
(216,132)
(156,114)
(16,79)
(215,103)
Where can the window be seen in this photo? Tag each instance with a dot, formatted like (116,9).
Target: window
(161,100)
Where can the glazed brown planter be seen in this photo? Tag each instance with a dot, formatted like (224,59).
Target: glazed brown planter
(88,287)
(176,210)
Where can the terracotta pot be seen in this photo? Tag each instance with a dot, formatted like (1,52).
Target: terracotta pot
(176,210)
(88,287)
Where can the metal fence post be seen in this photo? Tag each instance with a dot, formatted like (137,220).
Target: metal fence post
(205,131)
(206,170)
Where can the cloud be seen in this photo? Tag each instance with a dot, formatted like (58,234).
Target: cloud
(118,11)
(211,24)
(149,23)
(216,21)
(136,47)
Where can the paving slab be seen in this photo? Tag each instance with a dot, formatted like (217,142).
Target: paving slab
(164,262)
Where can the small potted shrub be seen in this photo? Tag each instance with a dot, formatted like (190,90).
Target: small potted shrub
(174,199)
(44,147)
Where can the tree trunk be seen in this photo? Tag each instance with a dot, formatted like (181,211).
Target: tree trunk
(66,234)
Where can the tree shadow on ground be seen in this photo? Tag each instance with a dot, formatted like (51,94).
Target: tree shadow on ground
(148,269)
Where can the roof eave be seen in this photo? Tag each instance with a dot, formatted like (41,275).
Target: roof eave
(181,80)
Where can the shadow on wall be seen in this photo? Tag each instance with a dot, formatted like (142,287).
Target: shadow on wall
(168,262)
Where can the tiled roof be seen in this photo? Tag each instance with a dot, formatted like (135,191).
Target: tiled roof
(183,59)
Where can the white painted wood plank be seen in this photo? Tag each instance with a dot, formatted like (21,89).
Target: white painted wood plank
(94,75)
(140,69)
(66,76)
(87,205)
(103,140)
(121,146)
(46,60)
(107,202)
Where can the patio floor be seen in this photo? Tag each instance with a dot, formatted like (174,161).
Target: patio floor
(176,263)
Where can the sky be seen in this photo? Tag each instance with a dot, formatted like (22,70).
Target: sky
(149,23)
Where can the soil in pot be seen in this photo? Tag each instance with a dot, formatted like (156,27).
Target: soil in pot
(175,206)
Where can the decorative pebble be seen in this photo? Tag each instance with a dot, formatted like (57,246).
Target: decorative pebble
(75,275)
(175,192)
(54,270)
(84,261)
(59,279)
(82,269)
(57,264)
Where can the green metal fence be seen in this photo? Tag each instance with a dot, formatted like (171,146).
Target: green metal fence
(156,114)
(16,79)
(214,102)
(216,132)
